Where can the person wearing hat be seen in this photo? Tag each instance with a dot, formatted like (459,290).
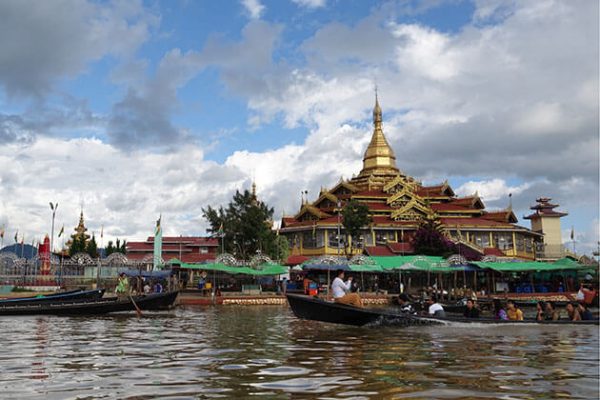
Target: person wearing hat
(342,292)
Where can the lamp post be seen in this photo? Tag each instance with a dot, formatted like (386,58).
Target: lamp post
(53,207)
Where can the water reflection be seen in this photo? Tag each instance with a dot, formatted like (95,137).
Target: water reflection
(240,352)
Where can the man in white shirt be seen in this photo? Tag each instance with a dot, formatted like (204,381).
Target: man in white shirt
(435,308)
(342,293)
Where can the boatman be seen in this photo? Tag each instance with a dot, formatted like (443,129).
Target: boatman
(342,291)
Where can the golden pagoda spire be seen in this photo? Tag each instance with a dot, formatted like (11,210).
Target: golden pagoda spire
(379,158)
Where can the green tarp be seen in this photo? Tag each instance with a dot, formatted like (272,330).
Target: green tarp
(416,263)
(527,266)
(263,270)
(365,268)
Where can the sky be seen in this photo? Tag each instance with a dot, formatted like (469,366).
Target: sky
(135,109)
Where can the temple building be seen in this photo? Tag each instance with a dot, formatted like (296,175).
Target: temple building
(189,249)
(398,203)
(546,221)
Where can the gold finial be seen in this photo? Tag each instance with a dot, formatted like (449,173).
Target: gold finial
(379,158)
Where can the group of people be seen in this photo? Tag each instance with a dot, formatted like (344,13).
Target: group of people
(140,285)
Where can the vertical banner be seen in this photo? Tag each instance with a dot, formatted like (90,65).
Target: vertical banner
(157,246)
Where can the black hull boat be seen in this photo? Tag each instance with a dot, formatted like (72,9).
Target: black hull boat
(155,301)
(315,309)
(55,297)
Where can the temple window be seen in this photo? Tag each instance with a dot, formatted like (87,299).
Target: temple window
(203,250)
(312,241)
(503,241)
(481,239)
(332,239)
(520,242)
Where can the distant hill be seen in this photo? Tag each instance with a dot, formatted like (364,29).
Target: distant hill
(27,250)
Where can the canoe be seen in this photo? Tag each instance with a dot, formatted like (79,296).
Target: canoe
(155,301)
(316,309)
(56,297)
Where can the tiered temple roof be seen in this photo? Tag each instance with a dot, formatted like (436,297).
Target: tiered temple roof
(544,208)
(398,201)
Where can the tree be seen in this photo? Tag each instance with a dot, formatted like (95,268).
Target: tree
(110,248)
(92,247)
(355,217)
(430,241)
(77,245)
(244,226)
(282,248)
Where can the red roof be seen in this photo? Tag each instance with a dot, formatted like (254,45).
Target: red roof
(474,222)
(371,193)
(187,240)
(185,257)
(492,251)
(400,248)
(295,260)
(378,251)
(450,207)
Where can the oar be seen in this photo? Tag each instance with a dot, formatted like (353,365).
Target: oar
(137,309)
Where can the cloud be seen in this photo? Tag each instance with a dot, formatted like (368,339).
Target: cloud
(125,192)
(47,41)
(310,3)
(254,8)
(490,190)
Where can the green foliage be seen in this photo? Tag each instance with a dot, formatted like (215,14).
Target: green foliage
(355,218)
(244,225)
(282,248)
(119,248)
(78,245)
(92,247)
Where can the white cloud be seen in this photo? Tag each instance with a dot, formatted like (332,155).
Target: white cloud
(491,190)
(125,192)
(311,3)
(254,8)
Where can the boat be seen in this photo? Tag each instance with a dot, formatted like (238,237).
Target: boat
(316,309)
(153,301)
(78,294)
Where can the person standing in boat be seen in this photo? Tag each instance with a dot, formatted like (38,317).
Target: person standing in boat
(342,291)
(122,284)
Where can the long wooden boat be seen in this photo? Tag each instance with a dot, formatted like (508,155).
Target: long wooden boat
(313,308)
(78,294)
(155,301)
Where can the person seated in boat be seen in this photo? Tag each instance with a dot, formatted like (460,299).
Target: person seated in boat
(435,309)
(513,312)
(550,312)
(147,287)
(540,311)
(405,305)
(471,311)
(158,287)
(573,312)
(584,312)
(499,311)
(342,291)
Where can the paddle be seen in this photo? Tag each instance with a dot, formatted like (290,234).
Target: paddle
(137,309)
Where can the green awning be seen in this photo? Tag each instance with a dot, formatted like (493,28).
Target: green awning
(263,270)
(365,268)
(418,263)
(526,266)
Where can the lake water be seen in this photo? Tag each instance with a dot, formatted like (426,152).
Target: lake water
(266,353)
